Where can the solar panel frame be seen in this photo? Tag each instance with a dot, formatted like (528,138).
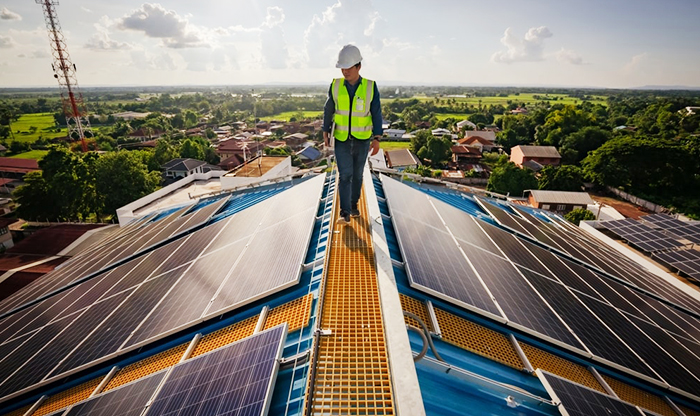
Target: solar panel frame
(222,380)
(128,400)
(576,400)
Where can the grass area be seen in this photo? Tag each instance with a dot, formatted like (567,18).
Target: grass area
(526,98)
(32,154)
(394,145)
(289,114)
(44,122)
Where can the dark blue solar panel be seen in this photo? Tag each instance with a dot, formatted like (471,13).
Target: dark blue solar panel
(127,400)
(233,380)
(578,400)
(117,328)
(49,350)
(599,340)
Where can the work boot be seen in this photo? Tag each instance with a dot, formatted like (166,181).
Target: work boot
(343,219)
(355,213)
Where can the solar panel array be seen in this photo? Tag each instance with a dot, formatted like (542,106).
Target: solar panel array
(643,236)
(137,240)
(576,400)
(208,272)
(686,261)
(234,379)
(689,230)
(577,294)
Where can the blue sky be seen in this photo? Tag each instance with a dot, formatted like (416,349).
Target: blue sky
(613,43)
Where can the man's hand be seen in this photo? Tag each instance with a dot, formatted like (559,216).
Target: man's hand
(325,139)
(374,146)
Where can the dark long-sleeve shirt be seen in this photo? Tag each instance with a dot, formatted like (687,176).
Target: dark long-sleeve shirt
(375,108)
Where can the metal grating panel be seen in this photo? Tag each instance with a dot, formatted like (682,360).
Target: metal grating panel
(417,308)
(225,336)
(19,412)
(639,397)
(477,339)
(352,374)
(147,366)
(562,367)
(67,397)
(295,313)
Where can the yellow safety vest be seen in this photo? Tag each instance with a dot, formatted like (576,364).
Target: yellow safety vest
(352,118)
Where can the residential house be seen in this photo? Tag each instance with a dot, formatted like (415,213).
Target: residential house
(231,162)
(558,201)
(309,154)
(5,235)
(296,141)
(183,167)
(484,134)
(401,159)
(440,132)
(519,110)
(544,155)
(466,123)
(394,134)
(144,134)
(130,115)
(477,142)
(462,154)
(261,169)
(246,149)
(311,127)
(12,171)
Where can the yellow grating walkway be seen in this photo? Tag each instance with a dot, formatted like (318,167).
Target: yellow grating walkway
(688,411)
(639,397)
(295,313)
(352,374)
(146,366)
(477,339)
(417,308)
(19,412)
(68,397)
(560,367)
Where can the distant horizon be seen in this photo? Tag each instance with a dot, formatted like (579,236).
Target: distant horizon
(380,83)
(625,44)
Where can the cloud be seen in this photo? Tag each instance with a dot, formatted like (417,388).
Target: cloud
(102,40)
(39,53)
(155,21)
(85,9)
(528,49)
(6,14)
(6,42)
(273,45)
(570,57)
(346,21)
(636,62)
(143,60)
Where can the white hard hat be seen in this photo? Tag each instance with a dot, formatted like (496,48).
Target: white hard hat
(348,57)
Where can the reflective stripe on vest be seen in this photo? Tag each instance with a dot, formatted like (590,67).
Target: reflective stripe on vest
(352,118)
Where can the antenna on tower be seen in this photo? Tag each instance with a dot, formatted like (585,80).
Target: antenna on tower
(64,72)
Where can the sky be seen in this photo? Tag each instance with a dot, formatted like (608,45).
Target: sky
(593,43)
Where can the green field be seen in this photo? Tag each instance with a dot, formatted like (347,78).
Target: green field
(44,122)
(526,98)
(394,145)
(289,114)
(32,154)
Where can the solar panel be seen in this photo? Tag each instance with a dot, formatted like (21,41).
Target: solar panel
(235,379)
(689,230)
(686,261)
(127,400)
(576,400)
(153,306)
(502,217)
(642,236)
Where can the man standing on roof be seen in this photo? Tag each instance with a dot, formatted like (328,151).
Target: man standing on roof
(353,116)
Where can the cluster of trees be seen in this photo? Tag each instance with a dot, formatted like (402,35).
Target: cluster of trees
(85,187)
(642,143)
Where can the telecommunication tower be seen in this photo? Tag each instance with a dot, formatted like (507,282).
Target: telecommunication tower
(64,71)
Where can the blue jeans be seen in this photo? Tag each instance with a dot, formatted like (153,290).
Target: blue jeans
(350,156)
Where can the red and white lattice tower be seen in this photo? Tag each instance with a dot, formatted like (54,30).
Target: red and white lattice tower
(64,71)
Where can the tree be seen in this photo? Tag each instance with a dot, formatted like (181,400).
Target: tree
(31,198)
(563,178)
(164,152)
(509,179)
(578,215)
(123,177)
(190,148)
(576,146)
(439,150)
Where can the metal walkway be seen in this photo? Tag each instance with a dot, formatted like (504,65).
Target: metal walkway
(352,374)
